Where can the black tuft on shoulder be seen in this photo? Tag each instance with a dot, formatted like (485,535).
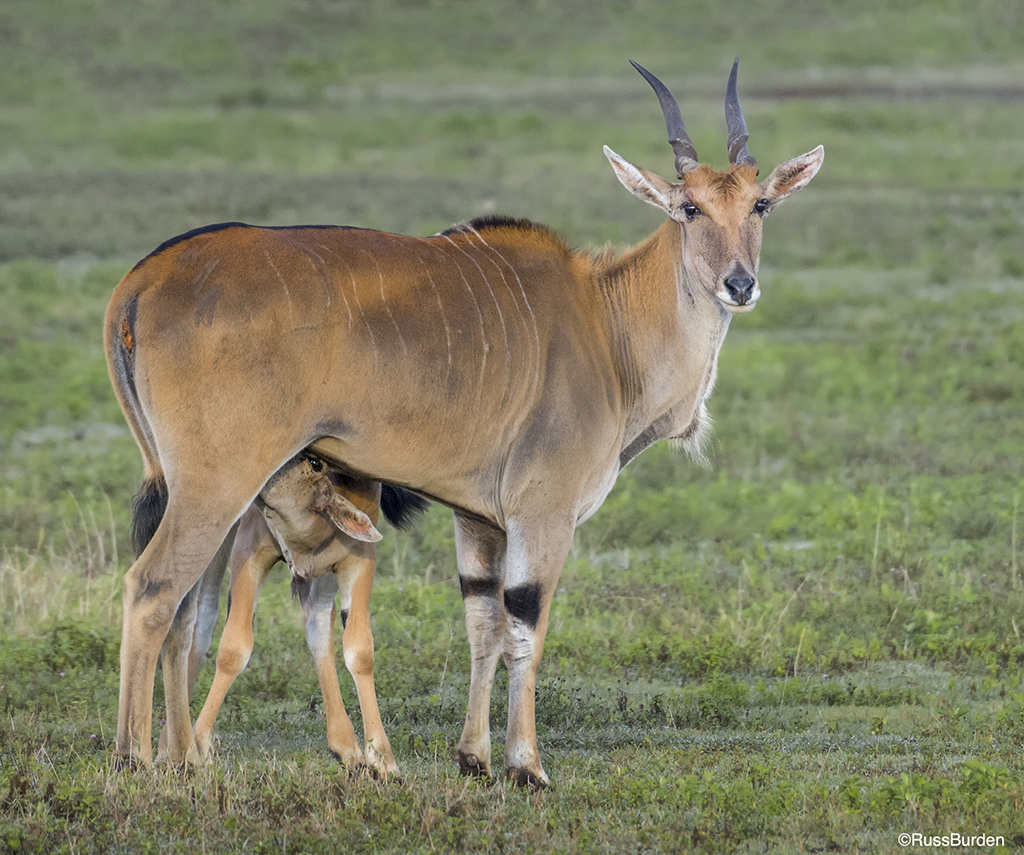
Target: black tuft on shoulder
(511,226)
(495,222)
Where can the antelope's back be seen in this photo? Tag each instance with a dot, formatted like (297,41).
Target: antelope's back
(397,345)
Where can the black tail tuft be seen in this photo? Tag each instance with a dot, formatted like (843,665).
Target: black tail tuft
(300,589)
(400,507)
(147,510)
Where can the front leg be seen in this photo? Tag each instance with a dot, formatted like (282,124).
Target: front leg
(255,553)
(317,599)
(533,565)
(480,549)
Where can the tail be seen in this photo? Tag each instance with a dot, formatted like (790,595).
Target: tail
(148,508)
(400,507)
(300,589)
(150,502)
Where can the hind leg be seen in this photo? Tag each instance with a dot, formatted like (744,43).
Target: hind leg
(200,607)
(175,743)
(187,539)
(355,575)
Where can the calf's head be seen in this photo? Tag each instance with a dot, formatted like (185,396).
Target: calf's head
(302,487)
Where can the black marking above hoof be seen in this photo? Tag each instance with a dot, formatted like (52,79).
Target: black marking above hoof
(471,766)
(520,777)
(523,603)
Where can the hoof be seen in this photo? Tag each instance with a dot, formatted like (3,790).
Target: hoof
(204,745)
(472,766)
(128,763)
(191,760)
(520,777)
(351,760)
(380,775)
(383,766)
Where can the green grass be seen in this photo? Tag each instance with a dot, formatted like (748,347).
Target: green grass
(814,645)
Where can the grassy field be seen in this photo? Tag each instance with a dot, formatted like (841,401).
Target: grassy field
(814,645)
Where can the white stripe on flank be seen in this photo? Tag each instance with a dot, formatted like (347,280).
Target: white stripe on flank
(384,300)
(359,308)
(343,297)
(323,276)
(533,317)
(483,329)
(447,338)
(501,317)
(440,308)
(288,294)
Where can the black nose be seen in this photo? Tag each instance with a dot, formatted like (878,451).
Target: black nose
(740,288)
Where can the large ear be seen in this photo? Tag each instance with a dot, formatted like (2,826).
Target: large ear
(349,519)
(793,175)
(646,185)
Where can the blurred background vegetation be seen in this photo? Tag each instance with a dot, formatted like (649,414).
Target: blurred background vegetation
(862,515)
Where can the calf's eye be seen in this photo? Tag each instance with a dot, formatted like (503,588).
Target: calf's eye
(761,206)
(691,210)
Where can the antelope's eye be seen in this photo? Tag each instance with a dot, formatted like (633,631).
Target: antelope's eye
(761,206)
(691,210)
(316,464)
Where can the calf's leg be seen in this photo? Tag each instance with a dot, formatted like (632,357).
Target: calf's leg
(317,598)
(252,558)
(355,576)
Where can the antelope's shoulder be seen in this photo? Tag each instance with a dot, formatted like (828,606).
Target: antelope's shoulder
(512,232)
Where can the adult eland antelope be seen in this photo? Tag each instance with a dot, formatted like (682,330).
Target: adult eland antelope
(489,367)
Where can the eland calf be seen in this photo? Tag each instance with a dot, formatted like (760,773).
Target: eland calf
(322,524)
(489,367)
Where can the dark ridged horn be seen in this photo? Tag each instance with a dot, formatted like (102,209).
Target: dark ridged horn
(686,154)
(738,136)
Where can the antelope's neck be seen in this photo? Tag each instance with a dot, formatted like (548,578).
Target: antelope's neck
(666,333)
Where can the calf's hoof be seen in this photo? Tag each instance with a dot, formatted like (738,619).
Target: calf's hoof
(350,758)
(520,777)
(382,763)
(204,745)
(185,766)
(128,763)
(472,766)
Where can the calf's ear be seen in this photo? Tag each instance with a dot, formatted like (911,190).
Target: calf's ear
(349,519)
